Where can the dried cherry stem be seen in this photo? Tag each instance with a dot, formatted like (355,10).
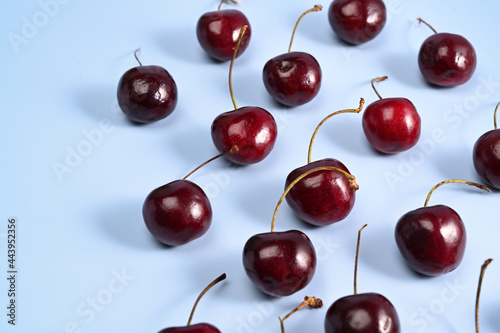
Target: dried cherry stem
(378,79)
(312,302)
(482,187)
(207,288)
(495,116)
(427,24)
(238,42)
(481,276)
(356,260)
(224,1)
(358,110)
(316,8)
(233,150)
(137,58)
(352,184)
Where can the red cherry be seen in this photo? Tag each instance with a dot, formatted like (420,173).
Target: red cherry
(281,263)
(147,93)
(252,130)
(321,198)
(432,239)
(293,78)
(177,213)
(197,328)
(486,156)
(391,125)
(357,21)
(217,32)
(446,60)
(363,313)
(324,197)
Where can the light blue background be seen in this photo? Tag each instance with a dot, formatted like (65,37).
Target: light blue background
(81,236)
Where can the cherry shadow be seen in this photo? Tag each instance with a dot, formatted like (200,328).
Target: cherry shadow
(404,68)
(123,224)
(380,252)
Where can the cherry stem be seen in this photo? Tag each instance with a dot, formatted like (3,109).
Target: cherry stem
(352,184)
(136,58)
(233,150)
(316,8)
(482,187)
(427,24)
(356,261)
(224,1)
(312,302)
(358,110)
(495,116)
(238,42)
(207,288)
(481,276)
(378,79)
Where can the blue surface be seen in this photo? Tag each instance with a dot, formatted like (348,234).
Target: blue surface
(75,172)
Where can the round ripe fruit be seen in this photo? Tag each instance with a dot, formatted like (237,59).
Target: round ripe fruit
(357,21)
(147,93)
(446,59)
(486,156)
(391,125)
(218,31)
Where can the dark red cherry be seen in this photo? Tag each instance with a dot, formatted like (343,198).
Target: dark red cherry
(279,263)
(391,125)
(251,129)
(432,239)
(197,328)
(177,213)
(357,21)
(327,196)
(322,198)
(147,93)
(446,59)
(218,32)
(486,156)
(362,313)
(293,78)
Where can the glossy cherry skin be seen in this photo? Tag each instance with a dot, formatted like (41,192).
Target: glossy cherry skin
(447,60)
(292,78)
(391,125)
(279,263)
(323,197)
(218,32)
(251,129)
(147,93)
(177,213)
(431,239)
(362,313)
(357,21)
(197,328)
(486,157)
